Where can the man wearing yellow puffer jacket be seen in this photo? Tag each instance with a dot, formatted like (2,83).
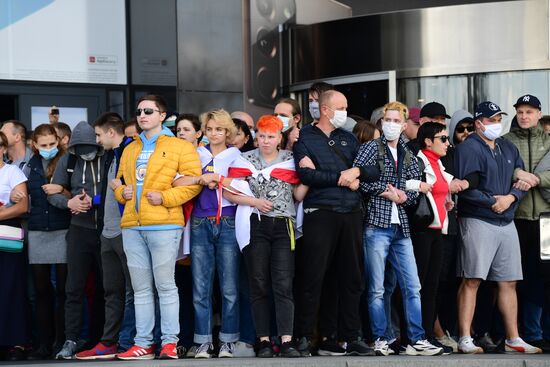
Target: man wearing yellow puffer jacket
(152,223)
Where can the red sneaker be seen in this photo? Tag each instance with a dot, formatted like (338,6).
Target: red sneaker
(100,351)
(169,351)
(137,352)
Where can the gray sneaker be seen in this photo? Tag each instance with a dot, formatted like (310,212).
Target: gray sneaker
(243,350)
(68,351)
(226,350)
(191,352)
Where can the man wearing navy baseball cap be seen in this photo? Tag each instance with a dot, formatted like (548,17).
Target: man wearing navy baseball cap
(533,144)
(490,245)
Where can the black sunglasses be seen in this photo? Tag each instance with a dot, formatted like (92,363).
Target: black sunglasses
(460,129)
(147,111)
(443,138)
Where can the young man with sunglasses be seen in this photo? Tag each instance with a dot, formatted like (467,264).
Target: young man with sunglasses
(490,245)
(533,144)
(152,223)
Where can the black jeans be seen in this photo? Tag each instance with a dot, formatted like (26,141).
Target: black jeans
(83,256)
(428,252)
(50,303)
(331,262)
(270,264)
(448,285)
(115,280)
(184,282)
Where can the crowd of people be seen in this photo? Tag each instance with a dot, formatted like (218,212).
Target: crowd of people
(184,236)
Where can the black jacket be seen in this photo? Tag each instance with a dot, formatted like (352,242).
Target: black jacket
(329,161)
(43,215)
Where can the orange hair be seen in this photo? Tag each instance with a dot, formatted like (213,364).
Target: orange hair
(269,123)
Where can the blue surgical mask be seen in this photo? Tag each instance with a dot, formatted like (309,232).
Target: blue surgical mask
(48,154)
(314,110)
(286,122)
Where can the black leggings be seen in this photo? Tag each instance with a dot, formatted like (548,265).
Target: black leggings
(50,303)
(428,252)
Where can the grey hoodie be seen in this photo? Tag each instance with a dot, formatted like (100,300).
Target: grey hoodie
(86,175)
(455,119)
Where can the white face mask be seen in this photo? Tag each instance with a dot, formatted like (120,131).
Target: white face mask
(339,119)
(492,131)
(391,130)
(286,122)
(314,110)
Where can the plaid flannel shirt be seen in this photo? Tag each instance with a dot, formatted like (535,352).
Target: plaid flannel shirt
(379,208)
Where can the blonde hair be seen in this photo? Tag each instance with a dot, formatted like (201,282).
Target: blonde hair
(223,118)
(399,107)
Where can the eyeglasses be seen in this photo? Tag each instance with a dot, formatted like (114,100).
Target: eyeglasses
(460,129)
(147,111)
(443,138)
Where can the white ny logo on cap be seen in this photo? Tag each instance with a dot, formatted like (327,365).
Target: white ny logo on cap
(526,98)
(493,107)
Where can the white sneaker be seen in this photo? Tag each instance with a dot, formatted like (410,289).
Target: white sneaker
(226,350)
(205,350)
(243,350)
(423,348)
(447,341)
(466,345)
(519,346)
(382,348)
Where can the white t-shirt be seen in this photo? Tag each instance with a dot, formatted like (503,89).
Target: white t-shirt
(394,212)
(10,176)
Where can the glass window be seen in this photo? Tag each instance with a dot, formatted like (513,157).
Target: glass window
(451,91)
(505,88)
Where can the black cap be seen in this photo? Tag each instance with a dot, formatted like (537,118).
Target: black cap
(433,109)
(488,109)
(530,100)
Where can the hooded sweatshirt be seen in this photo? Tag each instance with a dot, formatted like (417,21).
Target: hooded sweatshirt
(457,117)
(87,175)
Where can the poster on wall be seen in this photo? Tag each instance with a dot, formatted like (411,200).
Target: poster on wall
(73,41)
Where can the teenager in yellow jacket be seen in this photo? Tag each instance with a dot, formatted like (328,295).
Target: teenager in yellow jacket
(152,223)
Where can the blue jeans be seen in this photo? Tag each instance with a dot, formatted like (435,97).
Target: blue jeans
(214,247)
(151,262)
(389,243)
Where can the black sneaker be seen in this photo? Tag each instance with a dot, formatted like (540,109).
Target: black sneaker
(17,353)
(488,345)
(330,347)
(265,349)
(446,350)
(40,354)
(359,348)
(288,350)
(395,345)
(303,346)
